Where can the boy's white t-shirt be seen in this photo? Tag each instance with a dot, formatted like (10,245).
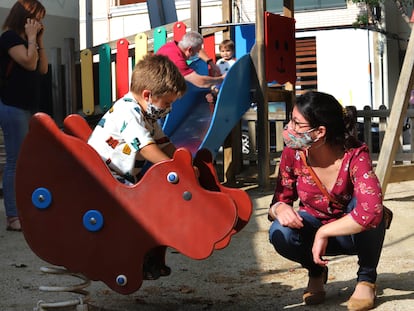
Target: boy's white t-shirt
(225,65)
(121,133)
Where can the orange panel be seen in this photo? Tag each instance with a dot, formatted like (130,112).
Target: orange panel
(179,30)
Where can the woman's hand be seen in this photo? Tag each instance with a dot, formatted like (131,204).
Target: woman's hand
(32,28)
(340,227)
(319,247)
(286,215)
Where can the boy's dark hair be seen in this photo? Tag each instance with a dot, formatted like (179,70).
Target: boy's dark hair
(158,74)
(229,44)
(20,12)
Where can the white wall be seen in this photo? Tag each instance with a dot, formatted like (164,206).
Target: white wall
(112,23)
(342,61)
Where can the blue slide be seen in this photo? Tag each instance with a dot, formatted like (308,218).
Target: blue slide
(192,125)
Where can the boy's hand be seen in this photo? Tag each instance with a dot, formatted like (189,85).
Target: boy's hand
(196,171)
(214,70)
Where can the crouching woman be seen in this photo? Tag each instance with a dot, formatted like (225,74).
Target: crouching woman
(340,207)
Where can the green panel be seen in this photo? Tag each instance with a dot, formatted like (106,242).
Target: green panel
(160,38)
(105,87)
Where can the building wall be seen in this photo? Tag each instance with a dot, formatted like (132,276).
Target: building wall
(344,53)
(111,23)
(61,21)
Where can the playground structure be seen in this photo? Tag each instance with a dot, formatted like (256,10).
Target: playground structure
(48,207)
(72,204)
(103,74)
(77,213)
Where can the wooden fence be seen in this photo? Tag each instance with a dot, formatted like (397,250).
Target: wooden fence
(371,127)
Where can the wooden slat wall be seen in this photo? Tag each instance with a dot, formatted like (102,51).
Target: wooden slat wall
(306,67)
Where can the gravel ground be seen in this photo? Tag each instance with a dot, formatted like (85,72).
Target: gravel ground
(246,275)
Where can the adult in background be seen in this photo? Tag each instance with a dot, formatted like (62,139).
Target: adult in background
(188,48)
(22,60)
(340,200)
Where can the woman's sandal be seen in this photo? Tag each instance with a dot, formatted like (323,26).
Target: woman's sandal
(13,224)
(315,298)
(356,304)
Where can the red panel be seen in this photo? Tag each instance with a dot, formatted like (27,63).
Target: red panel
(179,30)
(122,73)
(210,46)
(280,48)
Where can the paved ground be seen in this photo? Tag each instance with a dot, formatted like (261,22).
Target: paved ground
(246,275)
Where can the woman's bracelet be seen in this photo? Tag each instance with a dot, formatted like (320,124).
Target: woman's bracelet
(273,209)
(34,43)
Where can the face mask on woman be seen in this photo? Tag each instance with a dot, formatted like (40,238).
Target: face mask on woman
(297,140)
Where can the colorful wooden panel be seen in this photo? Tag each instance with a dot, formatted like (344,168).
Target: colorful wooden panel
(179,31)
(141,46)
(88,100)
(160,38)
(244,39)
(122,72)
(210,46)
(280,48)
(105,87)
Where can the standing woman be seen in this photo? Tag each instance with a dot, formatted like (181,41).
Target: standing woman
(340,199)
(22,61)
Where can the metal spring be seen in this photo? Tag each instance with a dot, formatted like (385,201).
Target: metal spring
(79,302)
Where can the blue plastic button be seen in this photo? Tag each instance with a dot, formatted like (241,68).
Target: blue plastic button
(121,280)
(93,220)
(172,177)
(41,198)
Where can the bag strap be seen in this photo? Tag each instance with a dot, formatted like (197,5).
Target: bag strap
(316,179)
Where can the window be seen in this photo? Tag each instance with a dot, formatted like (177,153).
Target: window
(305,5)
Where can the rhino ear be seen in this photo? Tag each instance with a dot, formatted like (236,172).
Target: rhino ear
(184,156)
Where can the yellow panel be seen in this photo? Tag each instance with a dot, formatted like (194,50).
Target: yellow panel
(88,101)
(141,46)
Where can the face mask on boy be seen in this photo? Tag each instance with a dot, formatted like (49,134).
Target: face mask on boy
(153,112)
(297,140)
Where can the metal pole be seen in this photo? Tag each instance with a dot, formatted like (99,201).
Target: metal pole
(89,23)
(370,71)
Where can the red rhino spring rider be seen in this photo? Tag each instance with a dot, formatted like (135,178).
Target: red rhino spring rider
(75,214)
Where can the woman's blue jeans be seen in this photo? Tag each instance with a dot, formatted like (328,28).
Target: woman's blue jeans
(296,245)
(15,124)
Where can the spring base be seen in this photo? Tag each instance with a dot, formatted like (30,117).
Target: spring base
(78,303)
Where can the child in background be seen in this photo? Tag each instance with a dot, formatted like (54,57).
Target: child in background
(128,135)
(226,48)
(227,56)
